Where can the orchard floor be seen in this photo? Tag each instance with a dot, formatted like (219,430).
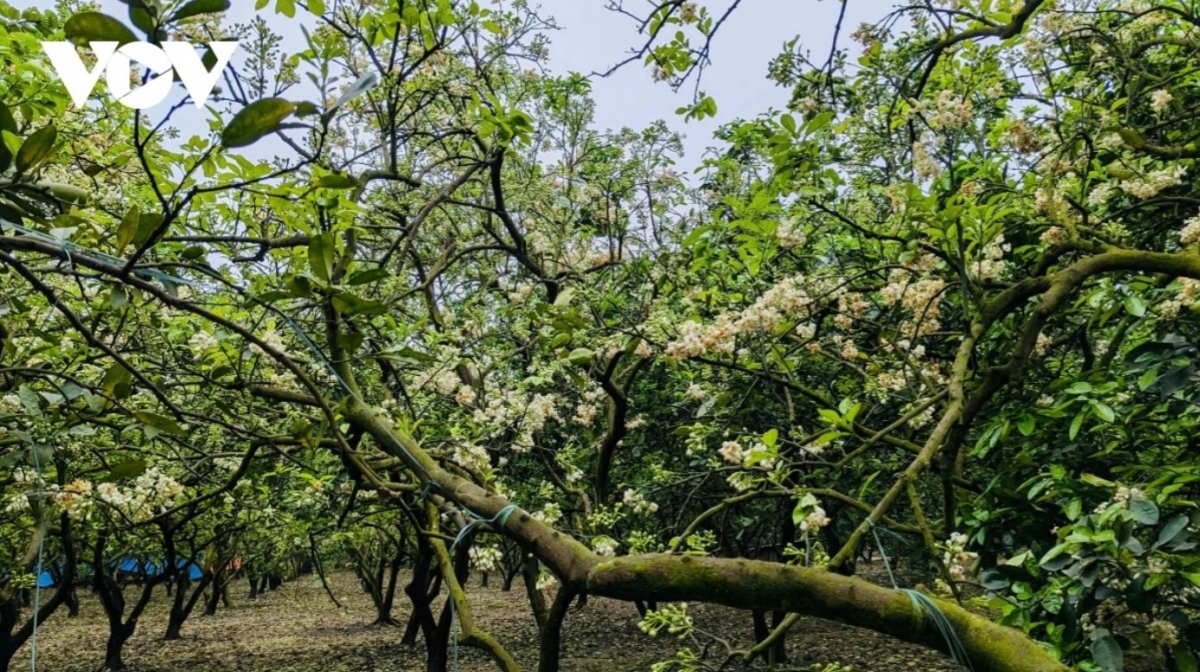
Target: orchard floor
(298,629)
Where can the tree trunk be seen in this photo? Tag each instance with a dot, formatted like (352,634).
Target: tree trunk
(7,653)
(389,595)
(530,571)
(421,618)
(219,593)
(176,616)
(550,639)
(185,602)
(118,634)
(509,576)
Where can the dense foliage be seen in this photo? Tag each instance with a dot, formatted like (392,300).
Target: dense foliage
(943,306)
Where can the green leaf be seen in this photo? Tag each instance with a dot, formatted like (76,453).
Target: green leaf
(1054,553)
(818,122)
(193,252)
(143,20)
(66,193)
(1171,530)
(1092,479)
(337,182)
(256,120)
(29,399)
(127,469)
(349,304)
(369,276)
(1136,306)
(87,27)
(1103,411)
(299,286)
(564,297)
(116,382)
(1144,511)
(770,438)
(127,229)
(1107,652)
(7,123)
(829,415)
(1027,424)
(159,422)
(1075,425)
(364,84)
(350,342)
(118,298)
(198,7)
(37,149)
(147,224)
(581,356)
(1132,138)
(320,257)
(305,108)
(1184,659)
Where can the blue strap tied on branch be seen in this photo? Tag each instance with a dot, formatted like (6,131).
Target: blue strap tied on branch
(497,522)
(922,604)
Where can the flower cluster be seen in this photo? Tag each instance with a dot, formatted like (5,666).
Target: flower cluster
(149,494)
(1190,233)
(920,299)
(673,618)
(1153,182)
(790,234)
(10,404)
(201,343)
(956,558)
(1159,100)
(779,303)
(550,514)
(485,558)
(1100,194)
(1022,137)
(638,502)
(1163,633)
(990,265)
(442,380)
(605,546)
(272,340)
(1188,294)
(472,457)
(950,111)
(1055,235)
(732,452)
(925,166)
(815,520)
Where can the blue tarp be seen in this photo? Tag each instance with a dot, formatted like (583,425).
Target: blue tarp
(149,568)
(132,566)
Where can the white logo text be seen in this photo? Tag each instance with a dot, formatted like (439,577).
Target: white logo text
(115,62)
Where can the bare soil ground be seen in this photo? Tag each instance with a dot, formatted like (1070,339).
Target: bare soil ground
(298,629)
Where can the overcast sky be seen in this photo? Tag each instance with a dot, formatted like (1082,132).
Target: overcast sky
(592,39)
